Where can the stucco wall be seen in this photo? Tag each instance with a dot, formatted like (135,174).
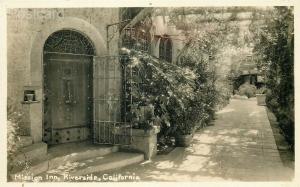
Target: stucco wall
(23,27)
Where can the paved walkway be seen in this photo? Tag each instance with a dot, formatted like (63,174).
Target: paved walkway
(239,146)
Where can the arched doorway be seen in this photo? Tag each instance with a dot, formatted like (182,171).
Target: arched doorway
(68,88)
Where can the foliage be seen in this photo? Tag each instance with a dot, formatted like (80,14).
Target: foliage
(247,89)
(13,137)
(13,119)
(274,48)
(261,90)
(195,58)
(223,93)
(182,96)
(207,44)
(170,89)
(180,102)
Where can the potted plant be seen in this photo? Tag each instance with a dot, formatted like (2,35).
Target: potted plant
(261,96)
(184,134)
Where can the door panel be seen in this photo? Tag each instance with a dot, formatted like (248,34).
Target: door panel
(68,97)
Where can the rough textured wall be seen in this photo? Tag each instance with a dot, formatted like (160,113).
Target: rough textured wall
(22,27)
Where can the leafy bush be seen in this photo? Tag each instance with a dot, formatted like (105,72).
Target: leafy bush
(261,90)
(274,46)
(247,90)
(13,119)
(181,97)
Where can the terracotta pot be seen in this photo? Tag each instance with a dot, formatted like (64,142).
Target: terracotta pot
(261,99)
(183,140)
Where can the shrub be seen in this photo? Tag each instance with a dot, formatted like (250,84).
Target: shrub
(247,90)
(182,97)
(166,87)
(13,119)
(274,49)
(261,90)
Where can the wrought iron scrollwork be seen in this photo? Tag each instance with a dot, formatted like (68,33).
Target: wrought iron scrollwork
(68,41)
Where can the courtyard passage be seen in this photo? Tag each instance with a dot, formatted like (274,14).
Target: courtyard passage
(239,146)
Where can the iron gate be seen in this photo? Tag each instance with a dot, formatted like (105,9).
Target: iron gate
(108,88)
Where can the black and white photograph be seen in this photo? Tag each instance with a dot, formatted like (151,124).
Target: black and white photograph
(185,93)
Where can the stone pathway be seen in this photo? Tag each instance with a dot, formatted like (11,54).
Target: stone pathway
(239,146)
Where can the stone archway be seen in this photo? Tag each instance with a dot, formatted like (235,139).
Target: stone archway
(67,87)
(36,63)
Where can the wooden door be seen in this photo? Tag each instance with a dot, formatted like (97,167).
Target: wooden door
(67,98)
